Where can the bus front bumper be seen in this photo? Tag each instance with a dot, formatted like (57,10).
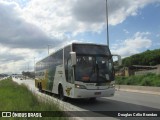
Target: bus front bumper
(85,93)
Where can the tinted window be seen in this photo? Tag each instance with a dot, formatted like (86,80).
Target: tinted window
(91,49)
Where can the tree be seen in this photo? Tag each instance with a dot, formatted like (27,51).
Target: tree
(149,57)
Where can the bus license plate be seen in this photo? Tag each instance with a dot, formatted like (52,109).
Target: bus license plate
(97,93)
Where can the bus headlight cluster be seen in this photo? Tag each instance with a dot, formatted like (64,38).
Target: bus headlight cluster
(80,86)
(112,85)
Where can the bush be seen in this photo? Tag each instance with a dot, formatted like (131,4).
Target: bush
(142,80)
(146,82)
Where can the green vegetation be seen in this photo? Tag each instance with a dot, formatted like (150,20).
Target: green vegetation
(141,80)
(14,97)
(149,57)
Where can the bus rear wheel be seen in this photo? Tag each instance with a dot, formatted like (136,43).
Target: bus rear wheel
(39,86)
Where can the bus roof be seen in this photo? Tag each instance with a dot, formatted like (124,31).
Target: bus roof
(74,43)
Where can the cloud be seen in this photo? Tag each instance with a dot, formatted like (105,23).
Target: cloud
(10,57)
(158,35)
(132,45)
(77,16)
(16,32)
(15,59)
(26,28)
(89,12)
(125,31)
(39,23)
(95,11)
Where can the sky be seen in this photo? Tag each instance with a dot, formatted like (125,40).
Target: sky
(27,27)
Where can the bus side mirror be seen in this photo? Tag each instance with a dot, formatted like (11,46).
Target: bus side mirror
(73,58)
(119,59)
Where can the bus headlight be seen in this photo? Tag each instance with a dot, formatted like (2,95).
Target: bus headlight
(80,86)
(112,85)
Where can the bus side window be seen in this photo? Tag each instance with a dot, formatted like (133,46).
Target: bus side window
(69,71)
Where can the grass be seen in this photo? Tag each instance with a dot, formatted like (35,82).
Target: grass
(141,80)
(14,97)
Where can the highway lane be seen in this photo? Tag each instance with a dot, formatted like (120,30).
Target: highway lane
(122,101)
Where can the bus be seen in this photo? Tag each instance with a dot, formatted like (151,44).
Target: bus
(79,70)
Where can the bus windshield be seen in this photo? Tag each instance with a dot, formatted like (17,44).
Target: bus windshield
(93,69)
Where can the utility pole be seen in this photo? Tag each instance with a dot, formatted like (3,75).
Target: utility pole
(107,22)
(34,64)
(48,49)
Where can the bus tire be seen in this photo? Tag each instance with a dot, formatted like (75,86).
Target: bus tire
(92,99)
(40,87)
(61,93)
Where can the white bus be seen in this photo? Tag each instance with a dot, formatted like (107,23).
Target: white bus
(77,71)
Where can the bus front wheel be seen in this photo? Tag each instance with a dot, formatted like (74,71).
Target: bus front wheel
(61,93)
(92,99)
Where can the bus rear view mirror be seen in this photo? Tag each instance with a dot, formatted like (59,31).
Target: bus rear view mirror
(119,61)
(73,58)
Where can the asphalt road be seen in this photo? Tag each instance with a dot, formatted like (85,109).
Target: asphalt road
(122,101)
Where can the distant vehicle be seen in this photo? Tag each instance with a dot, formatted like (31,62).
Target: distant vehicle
(77,71)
